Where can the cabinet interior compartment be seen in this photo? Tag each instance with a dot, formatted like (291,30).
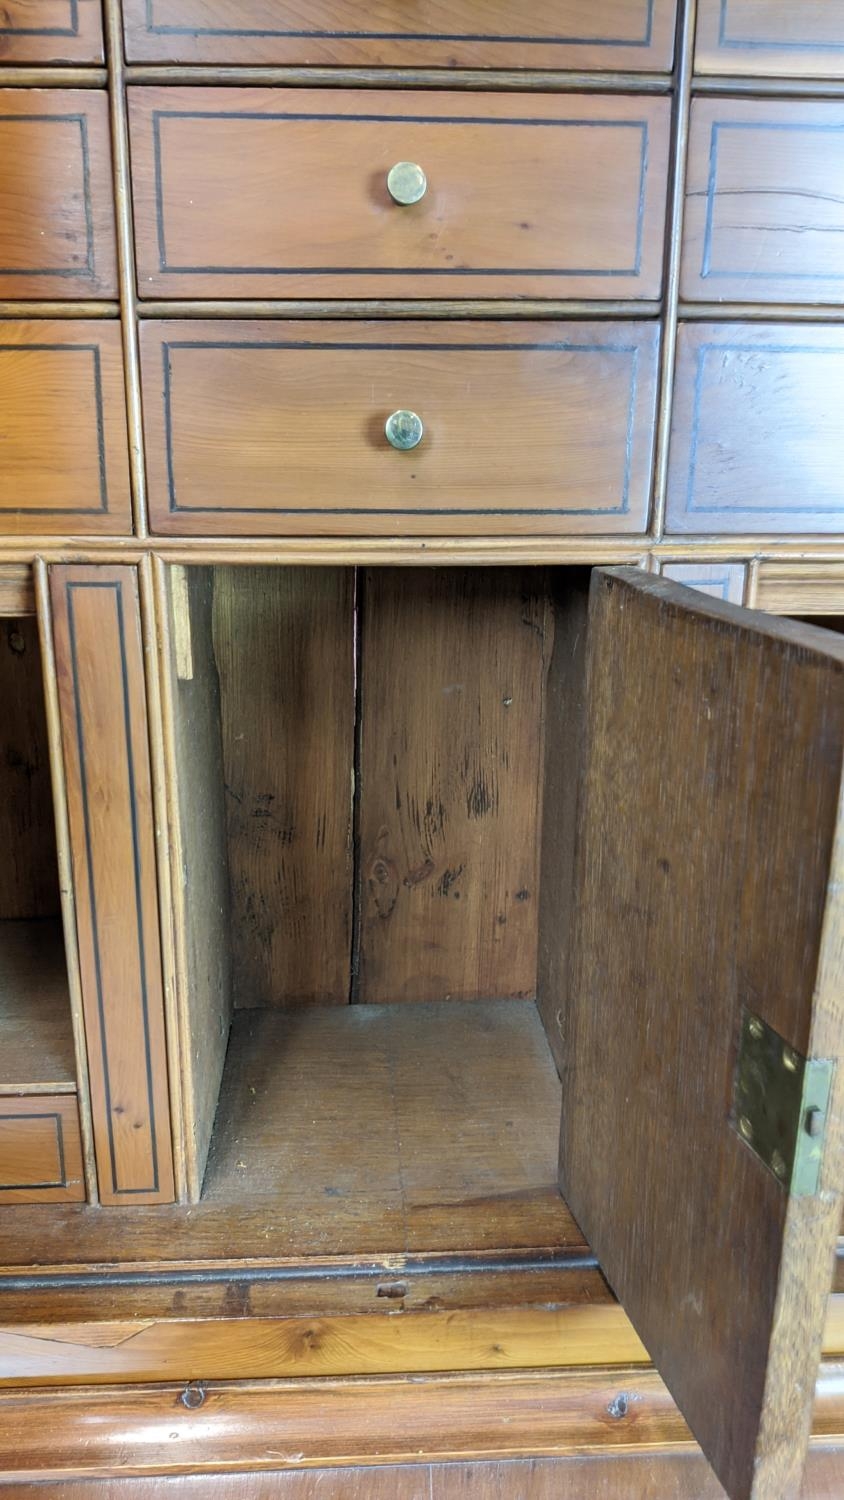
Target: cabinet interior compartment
(374,932)
(36,1037)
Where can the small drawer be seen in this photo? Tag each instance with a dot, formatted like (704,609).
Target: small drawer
(764,202)
(630,34)
(757,434)
(272,428)
(51,31)
(721,580)
(284,193)
(40,1150)
(65,455)
(56,202)
(770,38)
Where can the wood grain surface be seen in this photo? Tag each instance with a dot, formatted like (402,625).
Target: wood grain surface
(284,640)
(51,31)
(452,690)
(273,428)
(629,34)
(767,38)
(757,433)
(29,885)
(56,206)
(65,466)
(723,1274)
(36,1040)
(764,201)
(99,659)
(269,192)
(720,580)
(40,1150)
(795,588)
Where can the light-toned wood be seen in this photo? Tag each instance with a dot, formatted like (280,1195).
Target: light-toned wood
(28,879)
(770,37)
(793,588)
(36,1040)
(719,580)
(452,709)
(56,207)
(284,641)
(757,440)
(764,201)
(51,31)
(749,714)
(17,591)
(267,428)
(62,428)
(106,756)
(435,33)
(199,867)
(258,192)
(40,1153)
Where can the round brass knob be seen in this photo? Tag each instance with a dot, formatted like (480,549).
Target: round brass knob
(404,430)
(406,182)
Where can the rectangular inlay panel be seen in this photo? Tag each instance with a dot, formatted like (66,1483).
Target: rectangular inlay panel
(40,1150)
(770,37)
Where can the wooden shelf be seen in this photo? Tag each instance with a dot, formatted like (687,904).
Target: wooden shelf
(36,1040)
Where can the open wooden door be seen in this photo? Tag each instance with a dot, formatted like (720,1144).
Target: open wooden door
(701,1147)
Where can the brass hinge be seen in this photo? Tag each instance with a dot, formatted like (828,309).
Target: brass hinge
(781,1104)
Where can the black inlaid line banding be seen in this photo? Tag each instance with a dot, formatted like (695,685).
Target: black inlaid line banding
(71,588)
(277,346)
(71,510)
(706,270)
(753,44)
(71,30)
(297,117)
(67,271)
(406,36)
(19,1187)
(694,507)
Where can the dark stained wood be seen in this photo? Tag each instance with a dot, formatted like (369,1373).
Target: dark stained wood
(273,428)
(36,1041)
(51,31)
(56,206)
(709,811)
(268,192)
(757,442)
(764,201)
(452,674)
(40,1150)
(768,38)
(434,33)
(563,747)
(65,462)
(99,659)
(201,908)
(720,580)
(285,648)
(29,885)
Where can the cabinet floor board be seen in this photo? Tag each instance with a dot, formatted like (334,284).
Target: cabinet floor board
(35,1025)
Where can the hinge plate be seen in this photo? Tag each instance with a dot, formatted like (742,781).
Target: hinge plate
(780,1105)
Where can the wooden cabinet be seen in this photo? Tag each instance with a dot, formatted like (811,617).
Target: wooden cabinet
(56,205)
(274,427)
(770,37)
(40,1150)
(63,433)
(274,193)
(51,31)
(634,34)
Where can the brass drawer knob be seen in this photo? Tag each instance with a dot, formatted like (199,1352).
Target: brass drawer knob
(404,430)
(406,182)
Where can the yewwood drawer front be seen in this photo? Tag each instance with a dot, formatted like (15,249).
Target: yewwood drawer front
(631,34)
(283,192)
(40,1150)
(757,437)
(64,463)
(56,206)
(267,428)
(770,37)
(51,31)
(765,202)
